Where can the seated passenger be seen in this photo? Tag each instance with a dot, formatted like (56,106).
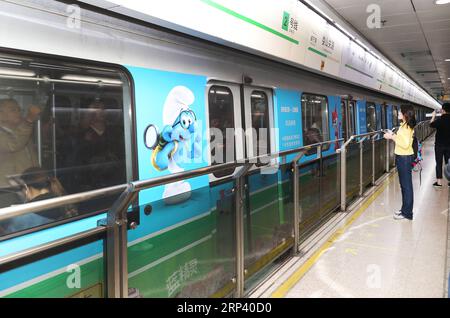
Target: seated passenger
(17,152)
(313,136)
(100,151)
(38,185)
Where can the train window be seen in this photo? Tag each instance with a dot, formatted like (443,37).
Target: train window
(61,132)
(348,118)
(344,120)
(371,117)
(395,116)
(221,117)
(383,116)
(260,122)
(314,119)
(352,118)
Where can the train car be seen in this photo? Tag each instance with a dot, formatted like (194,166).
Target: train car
(121,101)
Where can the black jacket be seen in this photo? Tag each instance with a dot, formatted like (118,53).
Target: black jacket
(53,214)
(442,126)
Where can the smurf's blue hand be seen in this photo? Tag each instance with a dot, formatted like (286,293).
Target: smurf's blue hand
(197,142)
(167,133)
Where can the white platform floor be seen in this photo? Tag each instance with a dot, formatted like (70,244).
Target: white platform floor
(378,256)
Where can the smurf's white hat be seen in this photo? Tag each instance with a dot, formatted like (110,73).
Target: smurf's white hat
(179,99)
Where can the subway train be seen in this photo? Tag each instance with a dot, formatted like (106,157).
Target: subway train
(121,101)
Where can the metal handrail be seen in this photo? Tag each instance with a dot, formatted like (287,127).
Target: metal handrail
(353,137)
(343,152)
(23,209)
(146,184)
(116,229)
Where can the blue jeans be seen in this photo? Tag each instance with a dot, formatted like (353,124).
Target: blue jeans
(404,167)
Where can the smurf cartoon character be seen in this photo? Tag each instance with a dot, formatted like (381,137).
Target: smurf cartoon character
(177,143)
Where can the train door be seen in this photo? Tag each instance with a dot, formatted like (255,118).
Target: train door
(348,108)
(224,116)
(264,216)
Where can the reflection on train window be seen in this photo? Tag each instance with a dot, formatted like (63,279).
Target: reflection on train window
(221,117)
(371,117)
(395,116)
(260,122)
(61,132)
(314,119)
(421,115)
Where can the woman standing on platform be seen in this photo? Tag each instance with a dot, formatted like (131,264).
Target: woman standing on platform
(404,156)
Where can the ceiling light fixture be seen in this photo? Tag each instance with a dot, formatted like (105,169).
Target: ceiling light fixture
(442,2)
(16,72)
(344,31)
(320,11)
(90,79)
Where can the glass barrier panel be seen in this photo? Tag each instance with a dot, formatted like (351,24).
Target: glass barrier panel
(268,219)
(391,154)
(352,171)
(185,245)
(309,194)
(330,189)
(380,158)
(367,163)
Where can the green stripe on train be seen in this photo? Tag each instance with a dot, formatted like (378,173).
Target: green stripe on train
(57,287)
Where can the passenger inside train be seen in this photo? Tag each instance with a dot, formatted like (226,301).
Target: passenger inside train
(17,151)
(37,185)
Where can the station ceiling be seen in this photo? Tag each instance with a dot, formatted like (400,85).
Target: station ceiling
(414,34)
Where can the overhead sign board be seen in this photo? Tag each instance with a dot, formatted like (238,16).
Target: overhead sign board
(285,29)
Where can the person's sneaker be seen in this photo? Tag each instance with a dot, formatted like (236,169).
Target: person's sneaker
(437,185)
(397,212)
(401,217)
